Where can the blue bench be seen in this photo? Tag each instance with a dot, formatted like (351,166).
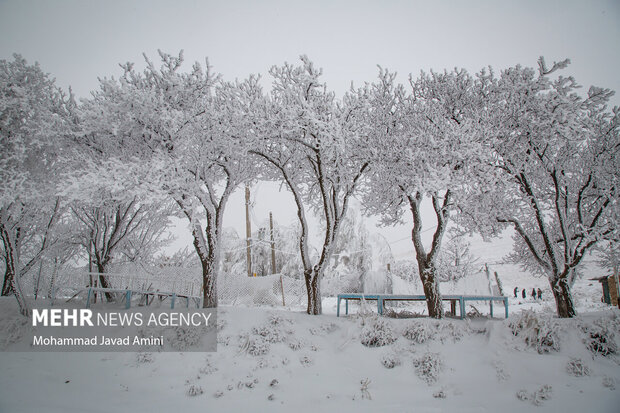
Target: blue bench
(382,298)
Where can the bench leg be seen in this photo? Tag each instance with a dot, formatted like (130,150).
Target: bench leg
(506,306)
(338,308)
(128,299)
(453,308)
(380,306)
(491,307)
(172,299)
(462,305)
(346,306)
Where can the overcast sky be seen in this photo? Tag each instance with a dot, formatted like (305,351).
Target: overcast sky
(79,40)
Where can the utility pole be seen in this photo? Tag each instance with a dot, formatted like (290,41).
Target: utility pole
(273,245)
(248,230)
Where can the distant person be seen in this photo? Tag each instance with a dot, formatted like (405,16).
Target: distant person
(523,293)
(516,291)
(539,294)
(534,293)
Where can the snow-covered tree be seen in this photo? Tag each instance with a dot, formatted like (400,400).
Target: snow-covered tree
(608,256)
(286,251)
(455,260)
(314,143)
(35,118)
(352,252)
(184,258)
(558,153)
(110,231)
(188,130)
(428,145)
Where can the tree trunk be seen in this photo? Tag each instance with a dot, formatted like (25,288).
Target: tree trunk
(209,283)
(21,299)
(563,297)
(313,286)
(16,287)
(12,264)
(426,262)
(103,282)
(428,275)
(7,286)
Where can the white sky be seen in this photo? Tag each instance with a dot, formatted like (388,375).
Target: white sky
(80,40)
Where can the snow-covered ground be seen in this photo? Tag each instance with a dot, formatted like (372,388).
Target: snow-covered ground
(276,360)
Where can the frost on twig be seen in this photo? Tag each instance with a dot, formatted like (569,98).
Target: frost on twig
(542,66)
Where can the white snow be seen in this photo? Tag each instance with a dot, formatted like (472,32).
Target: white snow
(276,360)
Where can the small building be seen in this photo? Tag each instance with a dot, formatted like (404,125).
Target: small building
(610,289)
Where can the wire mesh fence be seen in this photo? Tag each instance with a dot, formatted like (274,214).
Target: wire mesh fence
(232,289)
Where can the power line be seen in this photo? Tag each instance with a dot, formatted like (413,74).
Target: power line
(409,236)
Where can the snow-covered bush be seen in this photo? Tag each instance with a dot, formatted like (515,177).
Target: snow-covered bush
(262,363)
(600,337)
(440,394)
(255,346)
(258,347)
(390,360)
(523,395)
(537,330)
(537,397)
(295,344)
(323,329)
(391,313)
(306,361)
(419,332)
(278,320)
(609,382)
(449,330)
(377,333)
(183,337)
(428,367)
(542,394)
(194,390)
(576,367)
(270,333)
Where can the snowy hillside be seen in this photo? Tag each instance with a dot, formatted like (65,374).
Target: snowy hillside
(284,361)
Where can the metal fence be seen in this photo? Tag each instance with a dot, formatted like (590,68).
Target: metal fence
(232,289)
